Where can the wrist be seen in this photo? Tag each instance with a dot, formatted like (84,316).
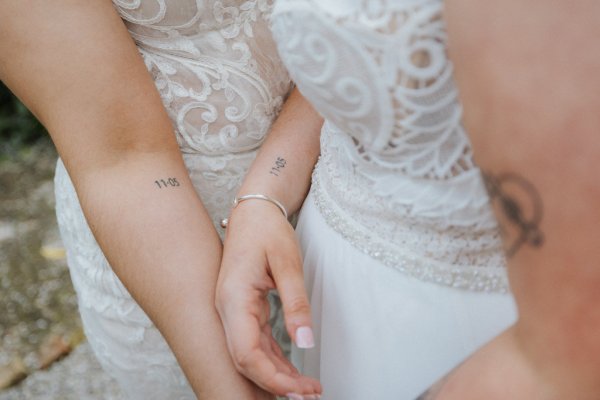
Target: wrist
(255,198)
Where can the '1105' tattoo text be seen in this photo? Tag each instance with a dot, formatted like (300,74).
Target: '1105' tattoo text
(164,183)
(279,165)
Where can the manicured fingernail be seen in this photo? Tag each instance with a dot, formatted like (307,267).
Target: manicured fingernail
(294,396)
(304,338)
(312,397)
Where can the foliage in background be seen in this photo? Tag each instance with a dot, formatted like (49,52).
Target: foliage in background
(19,129)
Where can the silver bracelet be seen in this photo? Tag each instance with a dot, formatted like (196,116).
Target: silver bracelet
(239,199)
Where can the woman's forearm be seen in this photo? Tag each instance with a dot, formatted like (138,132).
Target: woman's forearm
(261,253)
(160,241)
(76,67)
(284,164)
(548,212)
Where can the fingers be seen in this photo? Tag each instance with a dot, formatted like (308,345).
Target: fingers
(253,264)
(286,268)
(271,348)
(245,315)
(253,352)
(260,368)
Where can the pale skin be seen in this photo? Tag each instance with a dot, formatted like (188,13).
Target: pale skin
(531,94)
(261,253)
(75,66)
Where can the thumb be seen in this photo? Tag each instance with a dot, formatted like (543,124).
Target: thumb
(286,268)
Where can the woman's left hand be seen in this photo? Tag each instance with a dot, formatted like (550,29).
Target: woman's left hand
(261,253)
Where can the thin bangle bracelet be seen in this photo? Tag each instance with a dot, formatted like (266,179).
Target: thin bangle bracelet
(239,199)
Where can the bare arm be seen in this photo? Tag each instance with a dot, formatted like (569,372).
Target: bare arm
(286,160)
(75,66)
(528,76)
(261,253)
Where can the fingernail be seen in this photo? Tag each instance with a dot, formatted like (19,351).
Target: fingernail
(304,338)
(294,396)
(312,397)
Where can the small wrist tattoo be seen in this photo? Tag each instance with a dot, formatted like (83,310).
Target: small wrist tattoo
(279,165)
(521,210)
(169,182)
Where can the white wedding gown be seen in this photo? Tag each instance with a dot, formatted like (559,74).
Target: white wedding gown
(222,83)
(403,258)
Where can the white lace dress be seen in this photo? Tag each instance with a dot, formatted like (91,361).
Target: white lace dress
(403,259)
(222,83)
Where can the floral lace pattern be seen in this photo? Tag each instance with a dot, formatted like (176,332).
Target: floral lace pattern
(396,175)
(216,68)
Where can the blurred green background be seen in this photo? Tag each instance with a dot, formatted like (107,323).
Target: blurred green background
(19,129)
(39,323)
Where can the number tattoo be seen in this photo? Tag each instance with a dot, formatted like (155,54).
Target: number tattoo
(161,183)
(279,165)
(521,210)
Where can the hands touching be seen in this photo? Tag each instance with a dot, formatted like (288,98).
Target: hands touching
(261,253)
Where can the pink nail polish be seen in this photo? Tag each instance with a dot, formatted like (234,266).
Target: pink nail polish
(304,338)
(294,396)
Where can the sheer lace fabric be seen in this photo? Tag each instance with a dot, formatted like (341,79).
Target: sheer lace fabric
(221,81)
(396,175)
(217,70)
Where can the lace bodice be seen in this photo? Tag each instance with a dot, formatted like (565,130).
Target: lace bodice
(215,66)
(396,175)
(222,83)
(217,70)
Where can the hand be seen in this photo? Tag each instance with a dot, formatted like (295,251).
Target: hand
(261,253)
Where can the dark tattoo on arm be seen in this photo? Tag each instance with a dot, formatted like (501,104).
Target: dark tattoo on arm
(520,208)
(164,183)
(279,165)
(520,215)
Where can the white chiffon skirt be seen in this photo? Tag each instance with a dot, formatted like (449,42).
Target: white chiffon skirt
(381,334)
